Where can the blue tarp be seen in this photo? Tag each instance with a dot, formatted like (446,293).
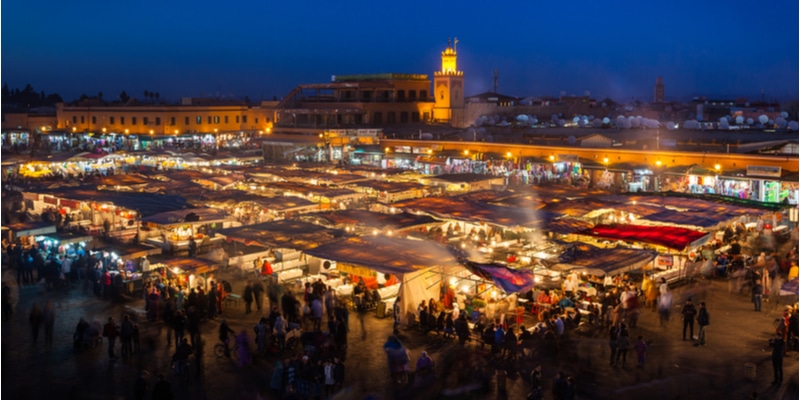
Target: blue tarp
(510,280)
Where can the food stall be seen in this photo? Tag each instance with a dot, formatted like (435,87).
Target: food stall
(131,261)
(26,232)
(64,243)
(174,231)
(188,272)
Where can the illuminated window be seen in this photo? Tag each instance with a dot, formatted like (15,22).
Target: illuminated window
(198,120)
(216,119)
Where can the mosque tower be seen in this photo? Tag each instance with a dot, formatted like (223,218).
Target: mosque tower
(448,88)
(658,96)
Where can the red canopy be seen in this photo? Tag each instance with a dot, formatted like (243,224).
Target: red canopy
(667,236)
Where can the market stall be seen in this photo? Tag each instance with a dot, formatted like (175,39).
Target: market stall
(131,261)
(188,272)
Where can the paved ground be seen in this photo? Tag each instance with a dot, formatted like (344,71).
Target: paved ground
(675,369)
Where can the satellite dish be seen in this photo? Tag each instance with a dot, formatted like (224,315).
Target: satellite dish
(571,139)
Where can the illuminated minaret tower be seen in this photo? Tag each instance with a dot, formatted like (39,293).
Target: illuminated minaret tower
(448,88)
(658,95)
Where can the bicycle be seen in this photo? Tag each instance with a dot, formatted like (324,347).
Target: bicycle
(219,350)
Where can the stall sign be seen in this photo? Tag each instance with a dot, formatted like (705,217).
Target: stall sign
(50,200)
(352,269)
(765,171)
(665,261)
(70,204)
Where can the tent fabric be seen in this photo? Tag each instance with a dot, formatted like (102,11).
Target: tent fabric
(375,219)
(668,236)
(566,226)
(458,209)
(510,280)
(291,234)
(388,255)
(179,216)
(789,288)
(416,287)
(583,257)
(686,218)
(145,204)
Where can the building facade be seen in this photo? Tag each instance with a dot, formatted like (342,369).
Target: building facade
(192,116)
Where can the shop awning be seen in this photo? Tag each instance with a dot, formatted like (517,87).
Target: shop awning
(67,238)
(22,229)
(668,236)
(583,257)
(510,280)
(197,266)
(130,252)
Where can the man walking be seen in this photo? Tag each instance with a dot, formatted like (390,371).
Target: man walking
(778,346)
(702,320)
(689,312)
(111,331)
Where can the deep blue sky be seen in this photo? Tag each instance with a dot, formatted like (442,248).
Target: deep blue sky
(265,48)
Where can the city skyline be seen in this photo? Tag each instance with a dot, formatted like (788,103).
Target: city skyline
(617,50)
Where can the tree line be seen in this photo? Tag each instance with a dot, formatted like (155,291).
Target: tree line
(27,97)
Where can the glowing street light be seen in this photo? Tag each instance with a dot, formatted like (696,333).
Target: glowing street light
(658,163)
(717,167)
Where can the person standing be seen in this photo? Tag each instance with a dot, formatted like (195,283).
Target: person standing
(689,312)
(126,336)
(49,321)
(623,343)
(35,319)
(641,351)
(778,346)
(248,297)
(758,294)
(258,294)
(613,336)
(162,389)
(703,320)
(111,332)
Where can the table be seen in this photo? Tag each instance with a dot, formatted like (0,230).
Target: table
(345,290)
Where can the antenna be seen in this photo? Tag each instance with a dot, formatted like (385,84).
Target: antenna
(496,79)
(455,42)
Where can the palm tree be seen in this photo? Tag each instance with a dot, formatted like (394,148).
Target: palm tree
(146,94)
(157,96)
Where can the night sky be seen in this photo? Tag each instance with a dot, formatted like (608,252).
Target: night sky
(263,49)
